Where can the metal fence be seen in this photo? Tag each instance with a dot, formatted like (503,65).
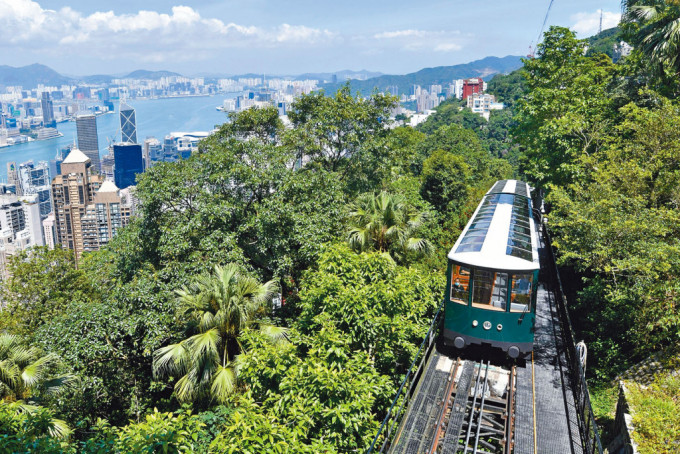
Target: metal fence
(584,410)
(385,436)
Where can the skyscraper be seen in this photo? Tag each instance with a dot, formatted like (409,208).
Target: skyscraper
(88,140)
(35,179)
(20,226)
(104,217)
(128,123)
(48,111)
(128,163)
(13,177)
(87,210)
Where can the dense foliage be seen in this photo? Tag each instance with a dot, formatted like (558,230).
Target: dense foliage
(350,221)
(602,140)
(171,331)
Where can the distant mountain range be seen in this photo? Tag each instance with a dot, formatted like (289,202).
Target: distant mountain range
(341,75)
(484,68)
(33,75)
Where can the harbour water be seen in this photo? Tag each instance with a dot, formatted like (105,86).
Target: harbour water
(155,117)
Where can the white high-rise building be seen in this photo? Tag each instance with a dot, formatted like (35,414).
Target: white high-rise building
(49,233)
(20,226)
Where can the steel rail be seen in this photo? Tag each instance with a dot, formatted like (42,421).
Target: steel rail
(472,409)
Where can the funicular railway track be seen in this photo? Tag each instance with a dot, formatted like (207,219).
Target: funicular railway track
(473,412)
(538,402)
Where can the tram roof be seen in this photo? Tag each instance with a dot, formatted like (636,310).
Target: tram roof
(502,232)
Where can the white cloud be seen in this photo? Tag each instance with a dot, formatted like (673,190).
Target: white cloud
(588,24)
(300,33)
(447,47)
(401,34)
(149,34)
(420,40)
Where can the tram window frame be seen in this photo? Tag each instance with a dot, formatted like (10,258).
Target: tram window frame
(457,271)
(528,293)
(483,281)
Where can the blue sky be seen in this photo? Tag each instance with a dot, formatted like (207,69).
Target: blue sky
(278,37)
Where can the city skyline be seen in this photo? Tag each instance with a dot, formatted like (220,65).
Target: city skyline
(201,37)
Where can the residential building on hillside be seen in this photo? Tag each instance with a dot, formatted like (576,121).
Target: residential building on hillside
(472,86)
(483,104)
(49,232)
(88,210)
(35,179)
(104,217)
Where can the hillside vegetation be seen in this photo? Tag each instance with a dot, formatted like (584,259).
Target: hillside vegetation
(167,340)
(443,75)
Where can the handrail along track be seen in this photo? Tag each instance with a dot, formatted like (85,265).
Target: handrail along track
(590,435)
(393,418)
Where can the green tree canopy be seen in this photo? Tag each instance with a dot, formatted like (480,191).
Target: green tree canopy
(384,222)
(219,307)
(567,114)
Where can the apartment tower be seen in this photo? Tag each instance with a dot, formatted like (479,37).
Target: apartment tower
(88,210)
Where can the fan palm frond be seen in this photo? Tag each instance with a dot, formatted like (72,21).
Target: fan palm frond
(220,306)
(223,384)
(171,359)
(383,222)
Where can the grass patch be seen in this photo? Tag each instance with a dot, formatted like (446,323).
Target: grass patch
(603,398)
(656,414)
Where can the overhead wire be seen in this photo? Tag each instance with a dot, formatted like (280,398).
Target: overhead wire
(545,21)
(540,34)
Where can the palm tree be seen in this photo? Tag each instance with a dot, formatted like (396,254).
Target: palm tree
(384,222)
(655,31)
(25,373)
(219,306)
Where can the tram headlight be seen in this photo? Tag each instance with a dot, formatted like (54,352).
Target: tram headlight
(475,323)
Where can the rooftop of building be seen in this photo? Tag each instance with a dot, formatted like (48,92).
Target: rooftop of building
(108,186)
(75,156)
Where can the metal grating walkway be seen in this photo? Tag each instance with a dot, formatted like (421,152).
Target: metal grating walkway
(556,419)
(420,422)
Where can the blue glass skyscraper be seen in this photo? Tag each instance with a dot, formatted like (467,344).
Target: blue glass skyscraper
(128,162)
(128,123)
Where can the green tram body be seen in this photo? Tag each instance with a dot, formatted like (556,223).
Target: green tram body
(492,274)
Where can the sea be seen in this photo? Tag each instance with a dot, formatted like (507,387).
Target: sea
(155,118)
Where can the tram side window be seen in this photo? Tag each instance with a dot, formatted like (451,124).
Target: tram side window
(522,285)
(460,284)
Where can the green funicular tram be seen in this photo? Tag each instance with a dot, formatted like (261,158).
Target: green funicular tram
(492,274)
